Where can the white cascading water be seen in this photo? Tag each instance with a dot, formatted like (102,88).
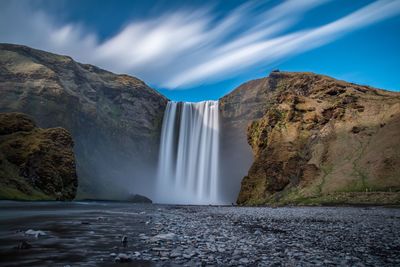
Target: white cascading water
(189,154)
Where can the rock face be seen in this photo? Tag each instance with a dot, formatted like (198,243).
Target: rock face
(318,140)
(35,163)
(243,105)
(115,120)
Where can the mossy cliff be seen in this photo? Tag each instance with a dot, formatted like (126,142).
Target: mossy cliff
(321,140)
(115,120)
(35,163)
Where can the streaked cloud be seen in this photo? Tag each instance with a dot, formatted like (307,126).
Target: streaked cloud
(184,48)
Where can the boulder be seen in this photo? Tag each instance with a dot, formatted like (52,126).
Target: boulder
(136,198)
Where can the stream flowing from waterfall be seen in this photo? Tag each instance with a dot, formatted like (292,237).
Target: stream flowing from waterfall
(189,154)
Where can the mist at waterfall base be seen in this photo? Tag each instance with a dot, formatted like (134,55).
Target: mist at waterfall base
(188,170)
(200,159)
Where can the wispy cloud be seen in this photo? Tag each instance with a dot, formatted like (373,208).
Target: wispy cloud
(184,48)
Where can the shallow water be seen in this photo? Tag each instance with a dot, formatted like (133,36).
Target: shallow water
(77,233)
(87,233)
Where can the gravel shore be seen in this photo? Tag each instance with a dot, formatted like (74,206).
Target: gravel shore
(124,234)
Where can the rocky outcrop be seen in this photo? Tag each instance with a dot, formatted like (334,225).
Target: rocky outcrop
(136,198)
(318,140)
(35,163)
(115,120)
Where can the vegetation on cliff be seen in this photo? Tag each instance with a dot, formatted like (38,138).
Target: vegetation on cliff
(35,163)
(314,139)
(321,140)
(115,120)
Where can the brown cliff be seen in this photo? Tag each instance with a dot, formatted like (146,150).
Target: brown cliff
(320,140)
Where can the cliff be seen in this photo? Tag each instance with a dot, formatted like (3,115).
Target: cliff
(35,163)
(304,138)
(243,105)
(317,140)
(115,120)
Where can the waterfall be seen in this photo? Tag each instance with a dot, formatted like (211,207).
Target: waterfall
(189,154)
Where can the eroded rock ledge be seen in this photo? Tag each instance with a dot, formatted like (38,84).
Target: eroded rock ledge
(35,163)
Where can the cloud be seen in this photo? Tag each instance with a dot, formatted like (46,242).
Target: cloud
(184,48)
(283,46)
(22,24)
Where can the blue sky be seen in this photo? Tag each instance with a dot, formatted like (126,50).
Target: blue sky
(198,50)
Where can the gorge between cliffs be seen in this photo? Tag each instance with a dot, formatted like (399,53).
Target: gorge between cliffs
(293,169)
(288,138)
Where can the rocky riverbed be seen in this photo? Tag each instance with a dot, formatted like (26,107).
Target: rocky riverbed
(124,234)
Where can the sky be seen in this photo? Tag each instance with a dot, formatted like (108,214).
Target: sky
(201,50)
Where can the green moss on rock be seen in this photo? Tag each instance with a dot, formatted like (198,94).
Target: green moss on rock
(35,163)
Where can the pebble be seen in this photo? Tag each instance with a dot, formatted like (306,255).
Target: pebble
(159,249)
(167,236)
(24,245)
(37,233)
(122,257)
(244,261)
(124,240)
(175,254)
